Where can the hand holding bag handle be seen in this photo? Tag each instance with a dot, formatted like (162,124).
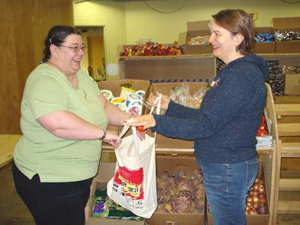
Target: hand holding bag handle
(126,127)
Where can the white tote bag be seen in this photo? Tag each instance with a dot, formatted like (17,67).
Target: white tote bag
(134,183)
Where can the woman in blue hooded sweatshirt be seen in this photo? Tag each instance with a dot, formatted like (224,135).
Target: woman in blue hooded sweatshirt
(224,128)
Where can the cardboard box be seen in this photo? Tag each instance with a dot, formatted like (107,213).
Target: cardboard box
(197,28)
(268,47)
(115,87)
(261,219)
(105,173)
(287,24)
(176,164)
(174,145)
(292,84)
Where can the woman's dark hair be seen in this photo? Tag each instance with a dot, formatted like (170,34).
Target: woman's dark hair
(237,21)
(56,36)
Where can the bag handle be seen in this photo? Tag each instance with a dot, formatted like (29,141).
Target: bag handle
(134,132)
(157,101)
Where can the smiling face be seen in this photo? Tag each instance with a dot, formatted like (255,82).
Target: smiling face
(224,43)
(65,58)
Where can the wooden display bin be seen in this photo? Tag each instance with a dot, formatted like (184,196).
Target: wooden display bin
(174,145)
(177,165)
(168,67)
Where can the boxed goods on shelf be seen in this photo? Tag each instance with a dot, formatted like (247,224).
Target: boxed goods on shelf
(148,49)
(292,80)
(257,204)
(175,212)
(263,136)
(106,172)
(287,34)
(264,44)
(195,40)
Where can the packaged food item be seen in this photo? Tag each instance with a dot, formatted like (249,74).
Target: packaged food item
(107,94)
(141,93)
(104,207)
(125,91)
(135,108)
(133,97)
(120,103)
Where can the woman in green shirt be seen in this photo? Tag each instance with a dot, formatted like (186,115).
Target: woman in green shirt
(63,120)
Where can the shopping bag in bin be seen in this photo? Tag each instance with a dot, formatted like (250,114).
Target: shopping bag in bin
(134,183)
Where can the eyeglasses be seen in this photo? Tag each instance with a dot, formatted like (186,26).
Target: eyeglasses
(76,49)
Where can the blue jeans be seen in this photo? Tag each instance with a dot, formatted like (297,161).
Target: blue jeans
(226,187)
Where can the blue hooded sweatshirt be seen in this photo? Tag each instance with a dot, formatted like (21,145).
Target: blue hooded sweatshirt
(224,128)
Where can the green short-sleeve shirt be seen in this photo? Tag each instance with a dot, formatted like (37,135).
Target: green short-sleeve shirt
(56,159)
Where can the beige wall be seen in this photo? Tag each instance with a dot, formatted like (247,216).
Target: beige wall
(111,16)
(127,23)
(141,21)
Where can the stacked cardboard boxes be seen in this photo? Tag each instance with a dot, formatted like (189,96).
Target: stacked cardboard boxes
(283,25)
(194,29)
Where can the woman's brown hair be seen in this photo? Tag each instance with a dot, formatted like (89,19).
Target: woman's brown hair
(237,21)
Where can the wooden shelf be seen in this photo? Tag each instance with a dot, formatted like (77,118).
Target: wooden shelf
(7,146)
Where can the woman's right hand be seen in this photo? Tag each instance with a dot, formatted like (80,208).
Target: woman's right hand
(112,139)
(165,100)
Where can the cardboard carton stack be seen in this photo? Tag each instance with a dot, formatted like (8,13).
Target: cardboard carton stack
(287,24)
(264,47)
(195,29)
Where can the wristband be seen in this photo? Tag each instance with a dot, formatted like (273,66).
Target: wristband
(103,136)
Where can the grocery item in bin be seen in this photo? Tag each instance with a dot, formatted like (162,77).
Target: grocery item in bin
(182,96)
(125,91)
(120,103)
(133,97)
(104,207)
(199,40)
(151,49)
(141,93)
(180,192)
(135,108)
(107,94)
(256,202)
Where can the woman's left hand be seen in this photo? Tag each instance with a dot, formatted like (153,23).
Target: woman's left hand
(145,121)
(112,139)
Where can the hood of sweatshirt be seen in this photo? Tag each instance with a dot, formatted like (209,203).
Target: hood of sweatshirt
(258,61)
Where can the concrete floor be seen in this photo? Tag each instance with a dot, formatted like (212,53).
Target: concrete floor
(14,212)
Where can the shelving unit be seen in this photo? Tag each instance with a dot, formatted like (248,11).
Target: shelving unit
(288,117)
(166,147)
(166,67)
(204,67)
